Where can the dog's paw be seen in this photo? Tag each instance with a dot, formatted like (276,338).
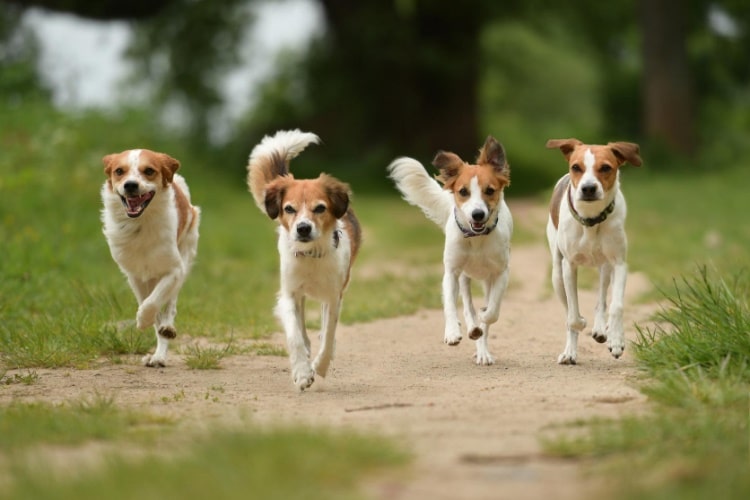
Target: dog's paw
(303,376)
(168,332)
(616,347)
(452,339)
(599,336)
(476,333)
(320,365)
(153,361)
(566,359)
(146,316)
(484,358)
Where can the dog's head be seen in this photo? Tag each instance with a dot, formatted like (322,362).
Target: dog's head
(137,175)
(477,189)
(594,168)
(309,208)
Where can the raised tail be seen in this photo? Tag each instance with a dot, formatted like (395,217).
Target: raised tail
(270,159)
(421,190)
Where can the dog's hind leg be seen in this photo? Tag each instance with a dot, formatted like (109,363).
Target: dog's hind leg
(329,321)
(599,332)
(470,314)
(494,291)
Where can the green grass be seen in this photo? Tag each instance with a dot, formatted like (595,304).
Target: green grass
(282,464)
(696,361)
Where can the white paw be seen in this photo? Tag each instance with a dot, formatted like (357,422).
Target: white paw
(484,358)
(153,361)
(616,346)
(452,336)
(303,376)
(567,358)
(488,317)
(146,315)
(320,365)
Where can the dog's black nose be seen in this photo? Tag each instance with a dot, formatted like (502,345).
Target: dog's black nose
(131,187)
(588,191)
(304,229)
(478,215)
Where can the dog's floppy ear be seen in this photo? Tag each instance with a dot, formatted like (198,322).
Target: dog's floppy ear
(168,168)
(493,153)
(338,195)
(449,165)
(108,161)
(566,145)
(626,152)
(273,196)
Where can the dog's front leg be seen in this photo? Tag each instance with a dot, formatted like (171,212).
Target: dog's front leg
(329,321)
(470,314)
(166,289)
(494,291)
(575,322)
(599,332)
(450,297)
(287,310)
(616,333)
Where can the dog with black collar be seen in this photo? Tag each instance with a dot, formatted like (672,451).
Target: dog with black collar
(586,227)
(470,207)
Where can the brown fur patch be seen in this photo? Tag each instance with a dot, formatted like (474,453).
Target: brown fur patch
(183,208)
(557,195)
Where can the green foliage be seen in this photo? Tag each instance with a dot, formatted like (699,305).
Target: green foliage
(697,358)
(23,425)
(199,357)
(281,464)
(522,109)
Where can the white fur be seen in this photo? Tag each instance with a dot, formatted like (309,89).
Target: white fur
(604,246)
(147,251)
(484,258)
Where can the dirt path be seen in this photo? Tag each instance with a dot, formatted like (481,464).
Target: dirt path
(474,430)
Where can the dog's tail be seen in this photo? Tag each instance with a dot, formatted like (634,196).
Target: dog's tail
(270,159)
(421,190)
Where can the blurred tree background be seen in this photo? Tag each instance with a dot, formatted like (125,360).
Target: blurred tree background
(409,77)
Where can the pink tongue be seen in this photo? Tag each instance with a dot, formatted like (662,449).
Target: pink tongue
(134,203)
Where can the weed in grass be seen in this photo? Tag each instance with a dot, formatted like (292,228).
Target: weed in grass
(29,378)
(267,349)
(206,358)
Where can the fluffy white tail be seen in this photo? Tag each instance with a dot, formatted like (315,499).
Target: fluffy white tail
(270,159)
(421,190)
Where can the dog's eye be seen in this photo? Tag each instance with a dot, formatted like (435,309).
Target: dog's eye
(605,169)
(319,209)
(149,171)
(119,171)
(576,168)
(489,191)
(463,192)
(289,209)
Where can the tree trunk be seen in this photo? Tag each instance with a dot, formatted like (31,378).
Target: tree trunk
(415,72)
(667,83)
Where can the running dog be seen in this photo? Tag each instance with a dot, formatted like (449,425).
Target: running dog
(318,239)
(586,227)
(152,232)
(470,207)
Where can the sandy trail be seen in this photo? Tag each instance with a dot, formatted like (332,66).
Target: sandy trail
(474,430)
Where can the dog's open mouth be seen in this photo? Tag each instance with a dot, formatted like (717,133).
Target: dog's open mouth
(478,227)
(135,205)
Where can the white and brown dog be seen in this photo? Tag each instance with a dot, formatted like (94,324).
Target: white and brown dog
(152,232)
(319,237)
(586,227)
(470,207)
